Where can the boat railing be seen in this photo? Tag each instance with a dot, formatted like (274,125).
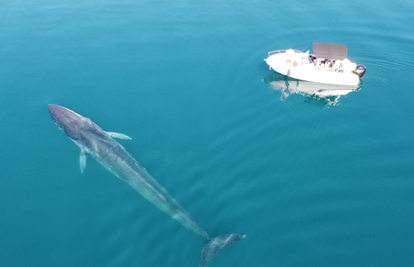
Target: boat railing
(282,51)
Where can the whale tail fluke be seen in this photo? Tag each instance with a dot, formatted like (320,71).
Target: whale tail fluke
(215,244)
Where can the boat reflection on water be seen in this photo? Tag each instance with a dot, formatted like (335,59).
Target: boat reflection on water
(324,95)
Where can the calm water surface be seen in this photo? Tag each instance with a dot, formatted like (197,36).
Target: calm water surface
(311,181)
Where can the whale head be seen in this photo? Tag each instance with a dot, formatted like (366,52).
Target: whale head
(70,122)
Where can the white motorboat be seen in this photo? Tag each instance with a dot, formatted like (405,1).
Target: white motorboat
(328,64)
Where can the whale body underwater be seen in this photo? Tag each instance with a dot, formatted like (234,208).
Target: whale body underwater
(94,141)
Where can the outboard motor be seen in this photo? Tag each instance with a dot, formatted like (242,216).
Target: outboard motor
(360,70)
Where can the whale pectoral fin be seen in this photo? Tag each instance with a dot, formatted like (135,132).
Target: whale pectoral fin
(215,245)
(119,135)
(82,161)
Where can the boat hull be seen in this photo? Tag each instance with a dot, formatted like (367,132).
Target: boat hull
(291,65)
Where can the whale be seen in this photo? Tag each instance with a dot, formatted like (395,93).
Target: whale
(100,145)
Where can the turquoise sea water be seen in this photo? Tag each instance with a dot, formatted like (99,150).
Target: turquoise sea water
(310,181)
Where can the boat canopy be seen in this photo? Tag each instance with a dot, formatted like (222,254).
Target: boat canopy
(329,51)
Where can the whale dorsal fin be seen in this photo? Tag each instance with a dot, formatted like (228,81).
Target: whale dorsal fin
(119,135)
(82,160)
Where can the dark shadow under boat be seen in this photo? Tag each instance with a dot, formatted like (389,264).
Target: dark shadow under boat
(319,94)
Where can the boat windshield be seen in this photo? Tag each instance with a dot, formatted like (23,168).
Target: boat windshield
(329,51)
